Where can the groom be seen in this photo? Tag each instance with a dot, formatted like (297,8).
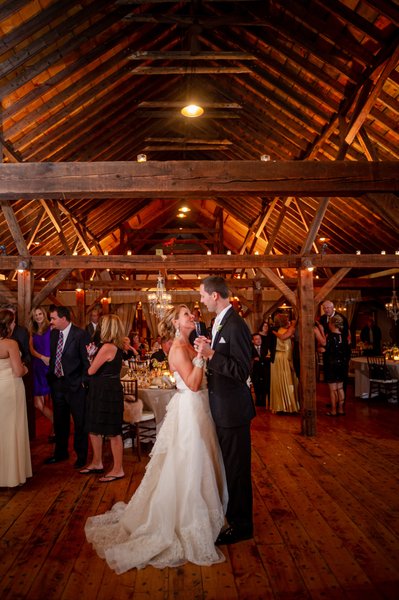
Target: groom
(229,362)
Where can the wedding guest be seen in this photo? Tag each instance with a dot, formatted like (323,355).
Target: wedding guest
(21,336)
(128,351)
(329,312)
(93,327)
(283,380)
(260,371)
(105,400)
(200,326)
(334,361)
(265,333)
(161,355)
(371,336)
(67,377)
(15,461)
(39,344)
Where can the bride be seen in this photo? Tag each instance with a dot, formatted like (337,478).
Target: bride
(178,510)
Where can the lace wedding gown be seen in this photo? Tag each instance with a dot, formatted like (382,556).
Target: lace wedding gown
(178,510)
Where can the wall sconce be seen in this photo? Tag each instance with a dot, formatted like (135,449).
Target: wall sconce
(22,266)
(307,264)
(141,158)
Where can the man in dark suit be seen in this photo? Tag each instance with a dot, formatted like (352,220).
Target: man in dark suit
(229,364)
(93,327)
(161,355)
(260,371)
(67,374)
(200,326)
(371,336)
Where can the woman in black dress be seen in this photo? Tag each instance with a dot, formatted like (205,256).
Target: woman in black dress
(105,400)
(334,362)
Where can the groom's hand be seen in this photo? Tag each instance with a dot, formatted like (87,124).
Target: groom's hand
(203,346)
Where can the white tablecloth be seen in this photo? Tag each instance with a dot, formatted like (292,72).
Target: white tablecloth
(156,400)
(362,384)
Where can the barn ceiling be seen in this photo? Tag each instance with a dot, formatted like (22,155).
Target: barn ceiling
(100,80)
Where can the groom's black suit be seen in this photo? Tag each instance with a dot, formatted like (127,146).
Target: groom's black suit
(68,392)
(232,410)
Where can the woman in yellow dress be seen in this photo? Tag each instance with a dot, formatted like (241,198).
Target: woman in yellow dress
(283,381)
(15,462)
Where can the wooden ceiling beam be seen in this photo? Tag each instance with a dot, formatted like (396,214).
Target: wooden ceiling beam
(150,263)
(347,283)
(371,90)
(187,55)
(188,70)
(176,179)
(14,227)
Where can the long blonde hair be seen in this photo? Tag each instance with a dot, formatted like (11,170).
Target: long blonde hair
(33,327)
(111,330)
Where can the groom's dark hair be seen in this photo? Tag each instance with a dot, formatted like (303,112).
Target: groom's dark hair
(213,283)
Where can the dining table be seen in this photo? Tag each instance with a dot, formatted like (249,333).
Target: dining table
(362,382)
(156,399)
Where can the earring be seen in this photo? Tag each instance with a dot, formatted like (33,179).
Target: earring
(177,333)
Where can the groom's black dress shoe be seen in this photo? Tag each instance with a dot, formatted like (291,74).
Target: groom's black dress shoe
(231,535)
(51,460)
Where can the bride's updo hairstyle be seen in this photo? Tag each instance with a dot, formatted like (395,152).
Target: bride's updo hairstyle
(166,327)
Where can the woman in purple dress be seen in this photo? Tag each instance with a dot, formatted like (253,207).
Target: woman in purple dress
(39,343)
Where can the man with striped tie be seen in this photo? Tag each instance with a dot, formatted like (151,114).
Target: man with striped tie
(67,373)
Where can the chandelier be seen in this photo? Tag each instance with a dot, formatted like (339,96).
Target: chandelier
(392,307)
(160,300)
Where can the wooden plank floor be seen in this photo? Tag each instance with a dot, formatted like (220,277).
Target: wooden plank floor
(326,520)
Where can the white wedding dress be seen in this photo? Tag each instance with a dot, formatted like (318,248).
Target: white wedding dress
(178,510)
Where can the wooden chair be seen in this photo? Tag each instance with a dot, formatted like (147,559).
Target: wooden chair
(139,424)
(381,381)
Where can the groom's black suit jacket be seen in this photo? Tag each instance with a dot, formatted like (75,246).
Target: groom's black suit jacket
(228,371)
(232,409)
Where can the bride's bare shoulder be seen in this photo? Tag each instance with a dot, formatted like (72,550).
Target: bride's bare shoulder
(178,354)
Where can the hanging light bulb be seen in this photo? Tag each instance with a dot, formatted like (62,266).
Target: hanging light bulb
(192,110)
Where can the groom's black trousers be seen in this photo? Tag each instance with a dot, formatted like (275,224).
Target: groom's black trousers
(235,443)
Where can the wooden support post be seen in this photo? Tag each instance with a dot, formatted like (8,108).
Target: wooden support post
(80,307)
(307,352)
(24,282)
